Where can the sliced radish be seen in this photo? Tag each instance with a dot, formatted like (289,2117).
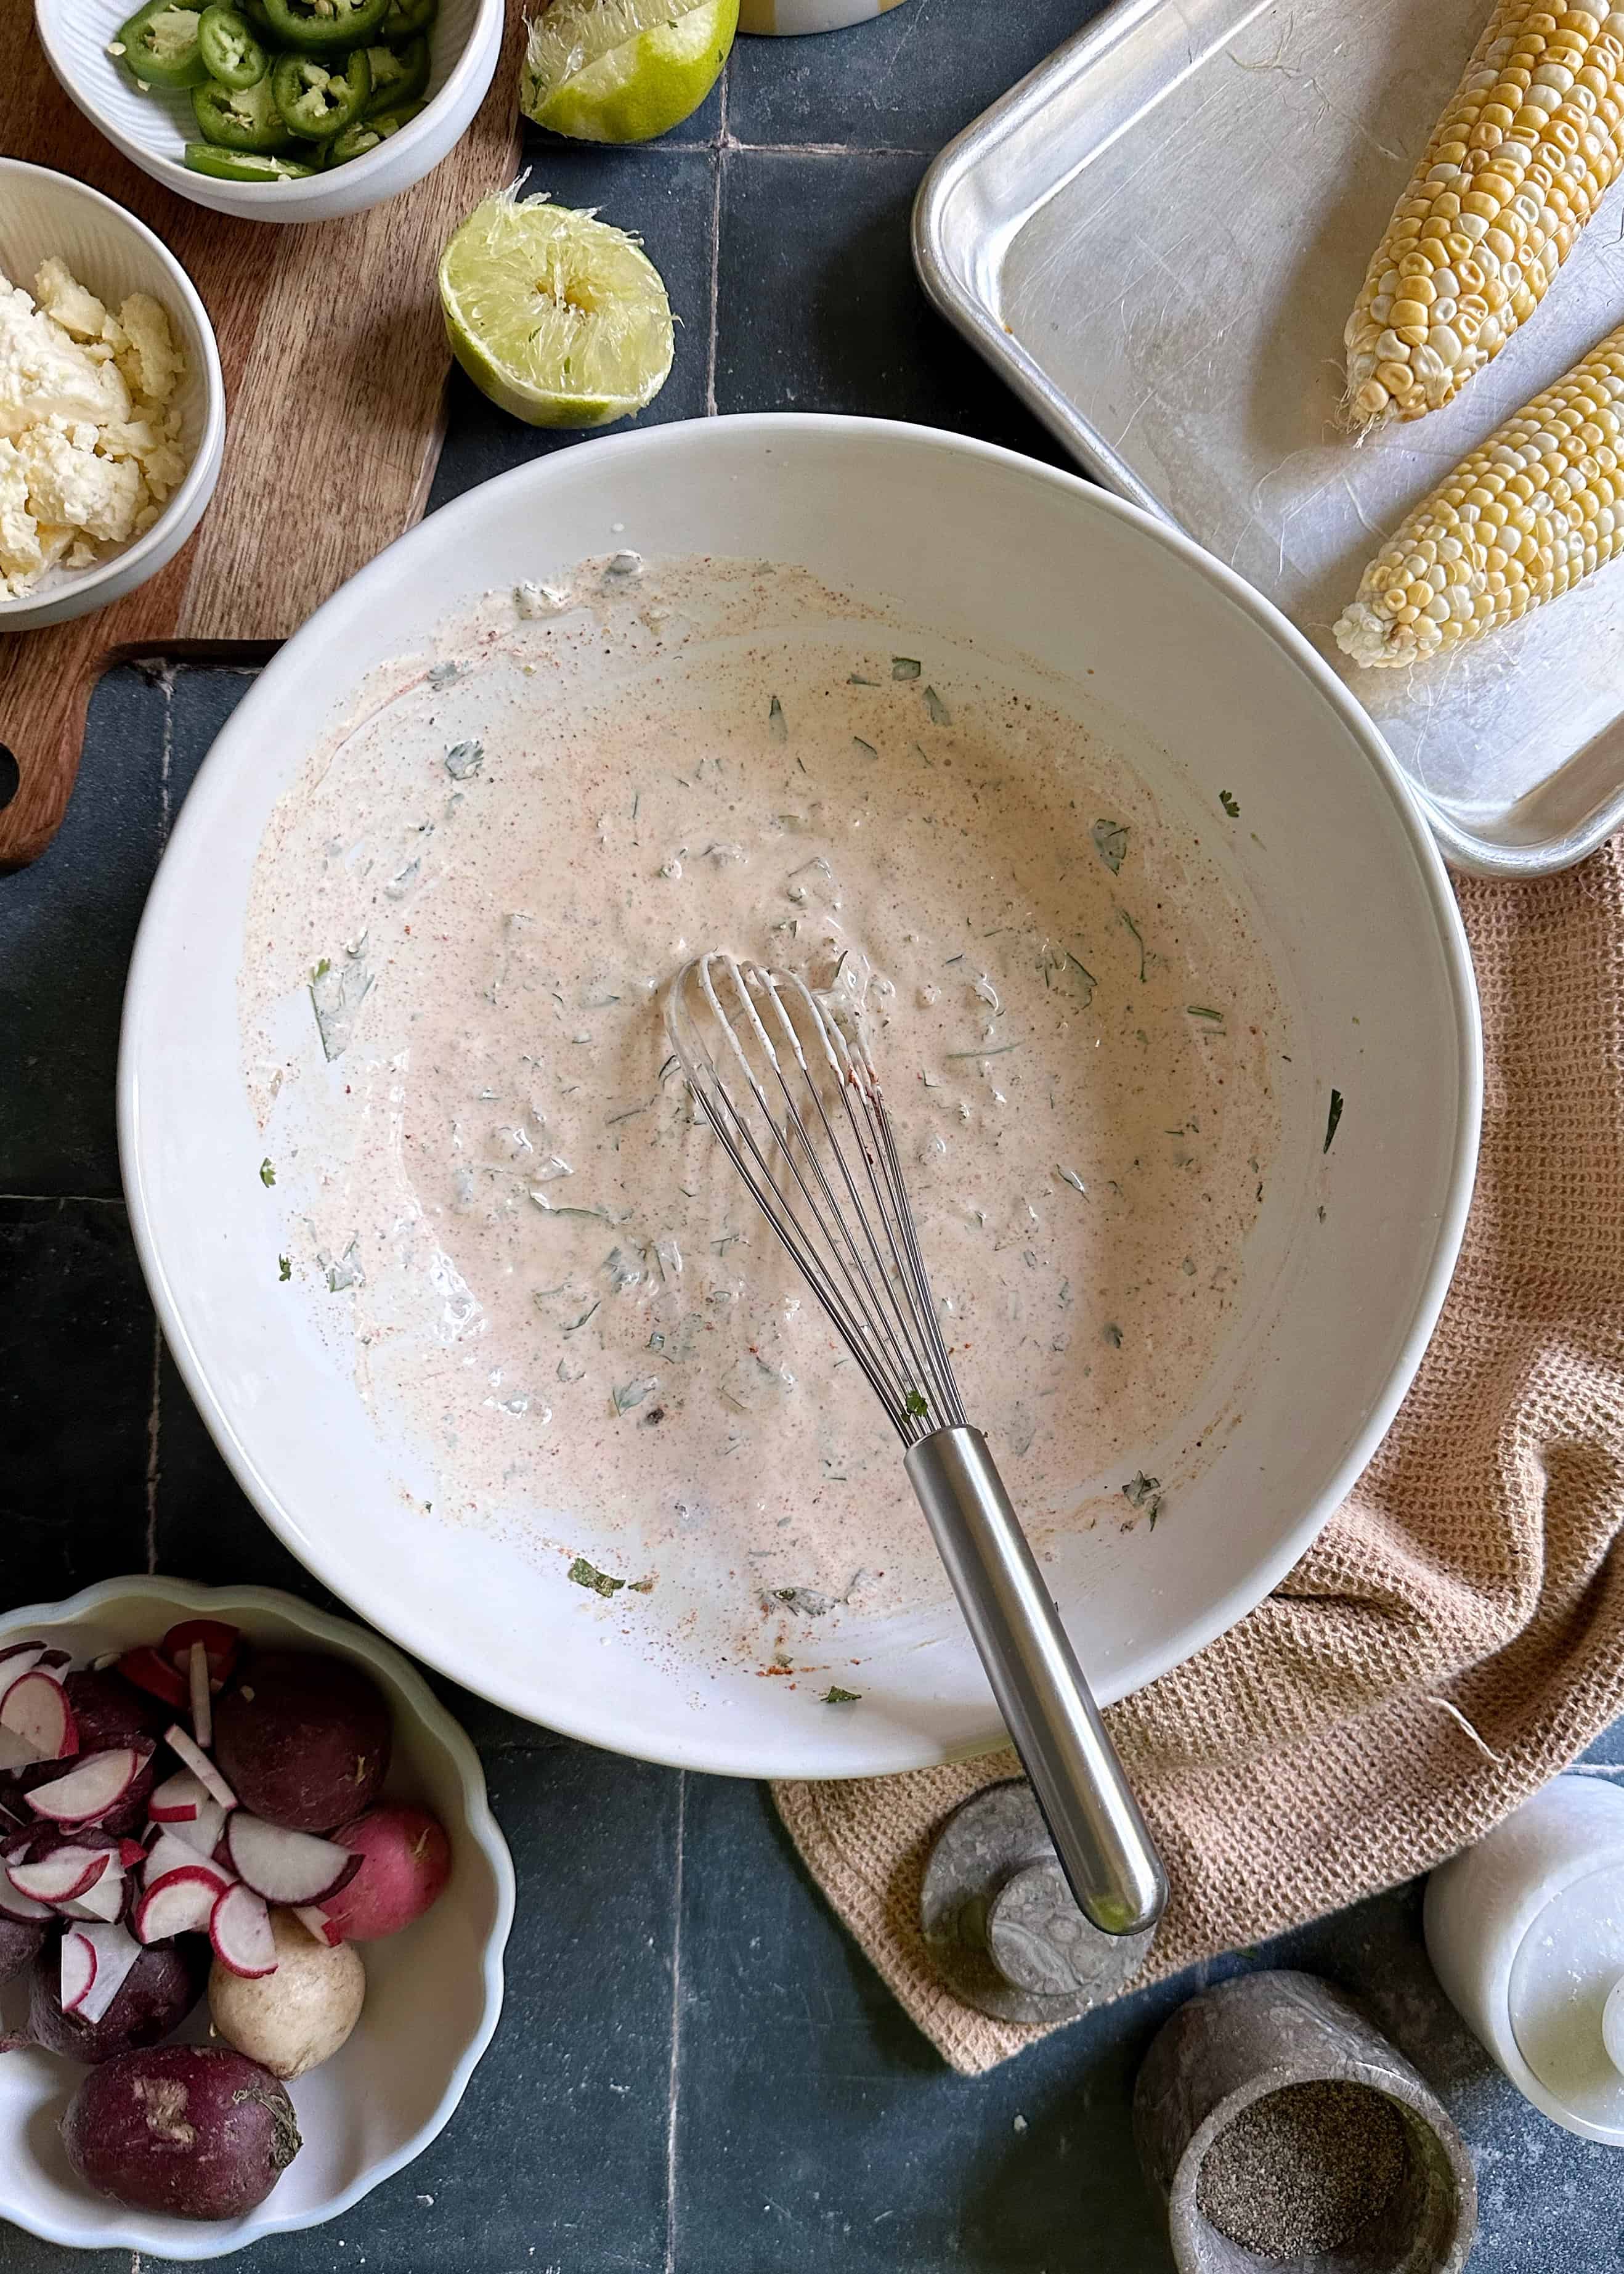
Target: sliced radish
(54,1662)
(132,1854)
(206,1834)
(286,1867)
(219,1642)
(202,1709)
(78,1969)
(36,1709)
(169,1852)
(18,1659)
(315,1921)
(151,1671)
(239,1928)
(117,1951)
(16,1905)
(16,1752)
(61,1877)
(35,1643)
(96,1784)
(181,1902)
(104,1900)
(198,1762)
(177,1799)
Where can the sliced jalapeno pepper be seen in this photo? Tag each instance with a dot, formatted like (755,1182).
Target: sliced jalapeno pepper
(231,55)
(317,98)
(322,25)
(406,17)
(241,119)
(158,45)
(365,134)
(243,165)
(398,75)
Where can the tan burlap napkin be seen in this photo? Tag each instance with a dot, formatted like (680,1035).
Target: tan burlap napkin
(1455,1636)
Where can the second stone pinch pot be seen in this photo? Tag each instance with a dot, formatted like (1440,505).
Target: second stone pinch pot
(1261,2034)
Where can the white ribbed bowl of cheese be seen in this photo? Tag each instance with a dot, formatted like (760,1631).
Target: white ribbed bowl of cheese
(45,217)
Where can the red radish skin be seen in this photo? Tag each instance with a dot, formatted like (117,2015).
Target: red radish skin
(93,1788)
(76,1972)
(304,1739)
(35,1708)
(171,1851)
(239,1928)
(405,1863)
(286,1867)
(61,1876)
(103,1901)
(21,1942)
(162,1987)
(218,1644)
(177,1800)
(187,2131)
(116,1953)
(318,1925)
(180,1903)
(109,1714)
(148,1670)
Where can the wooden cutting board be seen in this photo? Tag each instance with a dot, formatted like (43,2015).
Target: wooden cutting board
(334,364)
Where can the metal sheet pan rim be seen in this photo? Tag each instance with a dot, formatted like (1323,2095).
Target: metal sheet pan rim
(946,277)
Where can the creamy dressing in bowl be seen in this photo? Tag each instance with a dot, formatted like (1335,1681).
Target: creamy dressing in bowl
(545,1271)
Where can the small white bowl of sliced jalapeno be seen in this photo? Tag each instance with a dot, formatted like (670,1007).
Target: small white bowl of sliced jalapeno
(290,110)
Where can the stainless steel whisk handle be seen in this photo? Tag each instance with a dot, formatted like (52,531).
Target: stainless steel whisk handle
(1103,1841)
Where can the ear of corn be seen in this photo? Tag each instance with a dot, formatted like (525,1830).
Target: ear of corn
(1525,518)
(1517,166)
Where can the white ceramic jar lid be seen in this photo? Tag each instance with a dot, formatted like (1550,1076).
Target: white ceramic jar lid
(1566,1978)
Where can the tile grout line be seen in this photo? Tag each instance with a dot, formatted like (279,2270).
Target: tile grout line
(67,1199)
(717,160)
(151,1447)
(676,2032)
(166,754)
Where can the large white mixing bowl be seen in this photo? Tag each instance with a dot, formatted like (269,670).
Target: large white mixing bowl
(1344,1275)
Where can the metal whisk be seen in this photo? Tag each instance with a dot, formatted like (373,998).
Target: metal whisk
(790,1087)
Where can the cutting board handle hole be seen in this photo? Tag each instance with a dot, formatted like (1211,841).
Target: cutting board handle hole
(11,777)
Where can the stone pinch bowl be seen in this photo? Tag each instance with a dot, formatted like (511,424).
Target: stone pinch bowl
(433,1993)
(1258,2034)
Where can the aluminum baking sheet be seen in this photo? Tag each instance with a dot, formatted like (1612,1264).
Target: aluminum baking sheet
(1157,238)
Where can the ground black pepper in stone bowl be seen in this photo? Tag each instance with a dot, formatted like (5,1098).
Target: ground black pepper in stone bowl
(1301,2171)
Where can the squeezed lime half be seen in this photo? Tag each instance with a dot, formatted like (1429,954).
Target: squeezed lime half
(624,71)
(554,314)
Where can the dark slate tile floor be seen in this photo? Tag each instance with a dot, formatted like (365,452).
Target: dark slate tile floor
(697,2072)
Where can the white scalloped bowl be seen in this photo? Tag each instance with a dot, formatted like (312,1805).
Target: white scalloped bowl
(154,129)
(113,254)
(433,1993)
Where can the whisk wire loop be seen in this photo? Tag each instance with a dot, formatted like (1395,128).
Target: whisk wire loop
(766,1060)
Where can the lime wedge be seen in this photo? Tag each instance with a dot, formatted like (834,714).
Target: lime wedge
(624,71)
(555,315)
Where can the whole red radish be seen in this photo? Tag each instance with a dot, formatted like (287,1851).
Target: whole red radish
(191,2131)
(21,1942)
(405,1863)
(303,1740)
(161,1990)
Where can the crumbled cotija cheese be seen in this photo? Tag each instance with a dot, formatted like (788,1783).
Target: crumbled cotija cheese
(89,432)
